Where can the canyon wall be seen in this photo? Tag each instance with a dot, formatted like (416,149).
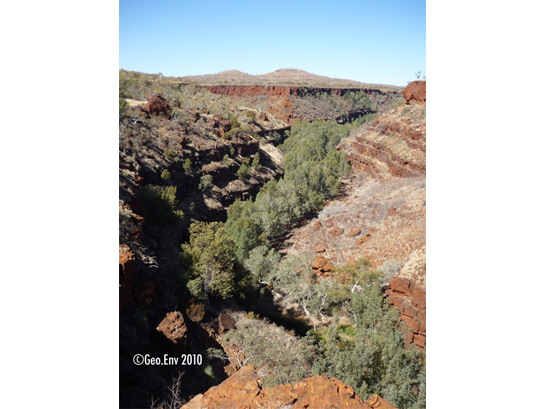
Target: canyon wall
(290,103)
(284,90)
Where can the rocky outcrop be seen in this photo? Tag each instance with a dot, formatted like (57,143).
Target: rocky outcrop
(392,146)
(407,292)
(174,328)
(249,145)
(415,92)
(322,266)
(223,323)
(157,105)
(244,390)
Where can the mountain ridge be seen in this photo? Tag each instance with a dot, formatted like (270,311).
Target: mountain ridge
(288,76)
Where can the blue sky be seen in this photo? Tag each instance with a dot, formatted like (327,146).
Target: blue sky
(369,41)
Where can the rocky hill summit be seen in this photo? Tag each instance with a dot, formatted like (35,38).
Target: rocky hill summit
(284,76)
(244,390)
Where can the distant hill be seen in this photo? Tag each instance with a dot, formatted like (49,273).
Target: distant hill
(231,76)
(285,76)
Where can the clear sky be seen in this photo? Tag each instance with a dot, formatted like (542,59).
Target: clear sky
(382,42)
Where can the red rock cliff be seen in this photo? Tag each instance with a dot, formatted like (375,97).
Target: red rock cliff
(284,90)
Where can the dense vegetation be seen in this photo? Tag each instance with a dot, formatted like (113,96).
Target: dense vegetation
(370,354)
(367,353)
(327,105)
(313,169)
(211,266)
(279,356)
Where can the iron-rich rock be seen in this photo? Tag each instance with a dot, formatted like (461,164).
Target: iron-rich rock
(157,105)
(415,91)
(244,390)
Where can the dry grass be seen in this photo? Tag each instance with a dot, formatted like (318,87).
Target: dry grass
(133,103)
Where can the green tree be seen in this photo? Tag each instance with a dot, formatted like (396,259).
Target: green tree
(295,279)
(244,171)
(261,262)
(210,259)
(246,234)
(206,182)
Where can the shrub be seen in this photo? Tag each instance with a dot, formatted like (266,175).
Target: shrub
(249,116)
(234,122)
(159,206)
(206,182)
(277,137)
(123,108)
(234,132)
(187,166)
(166,175)
(388,269)
(195,311)
(279,356)
(169,154)
(232,152)
(244,171)
(255,164)
(376,359)
(210,376)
